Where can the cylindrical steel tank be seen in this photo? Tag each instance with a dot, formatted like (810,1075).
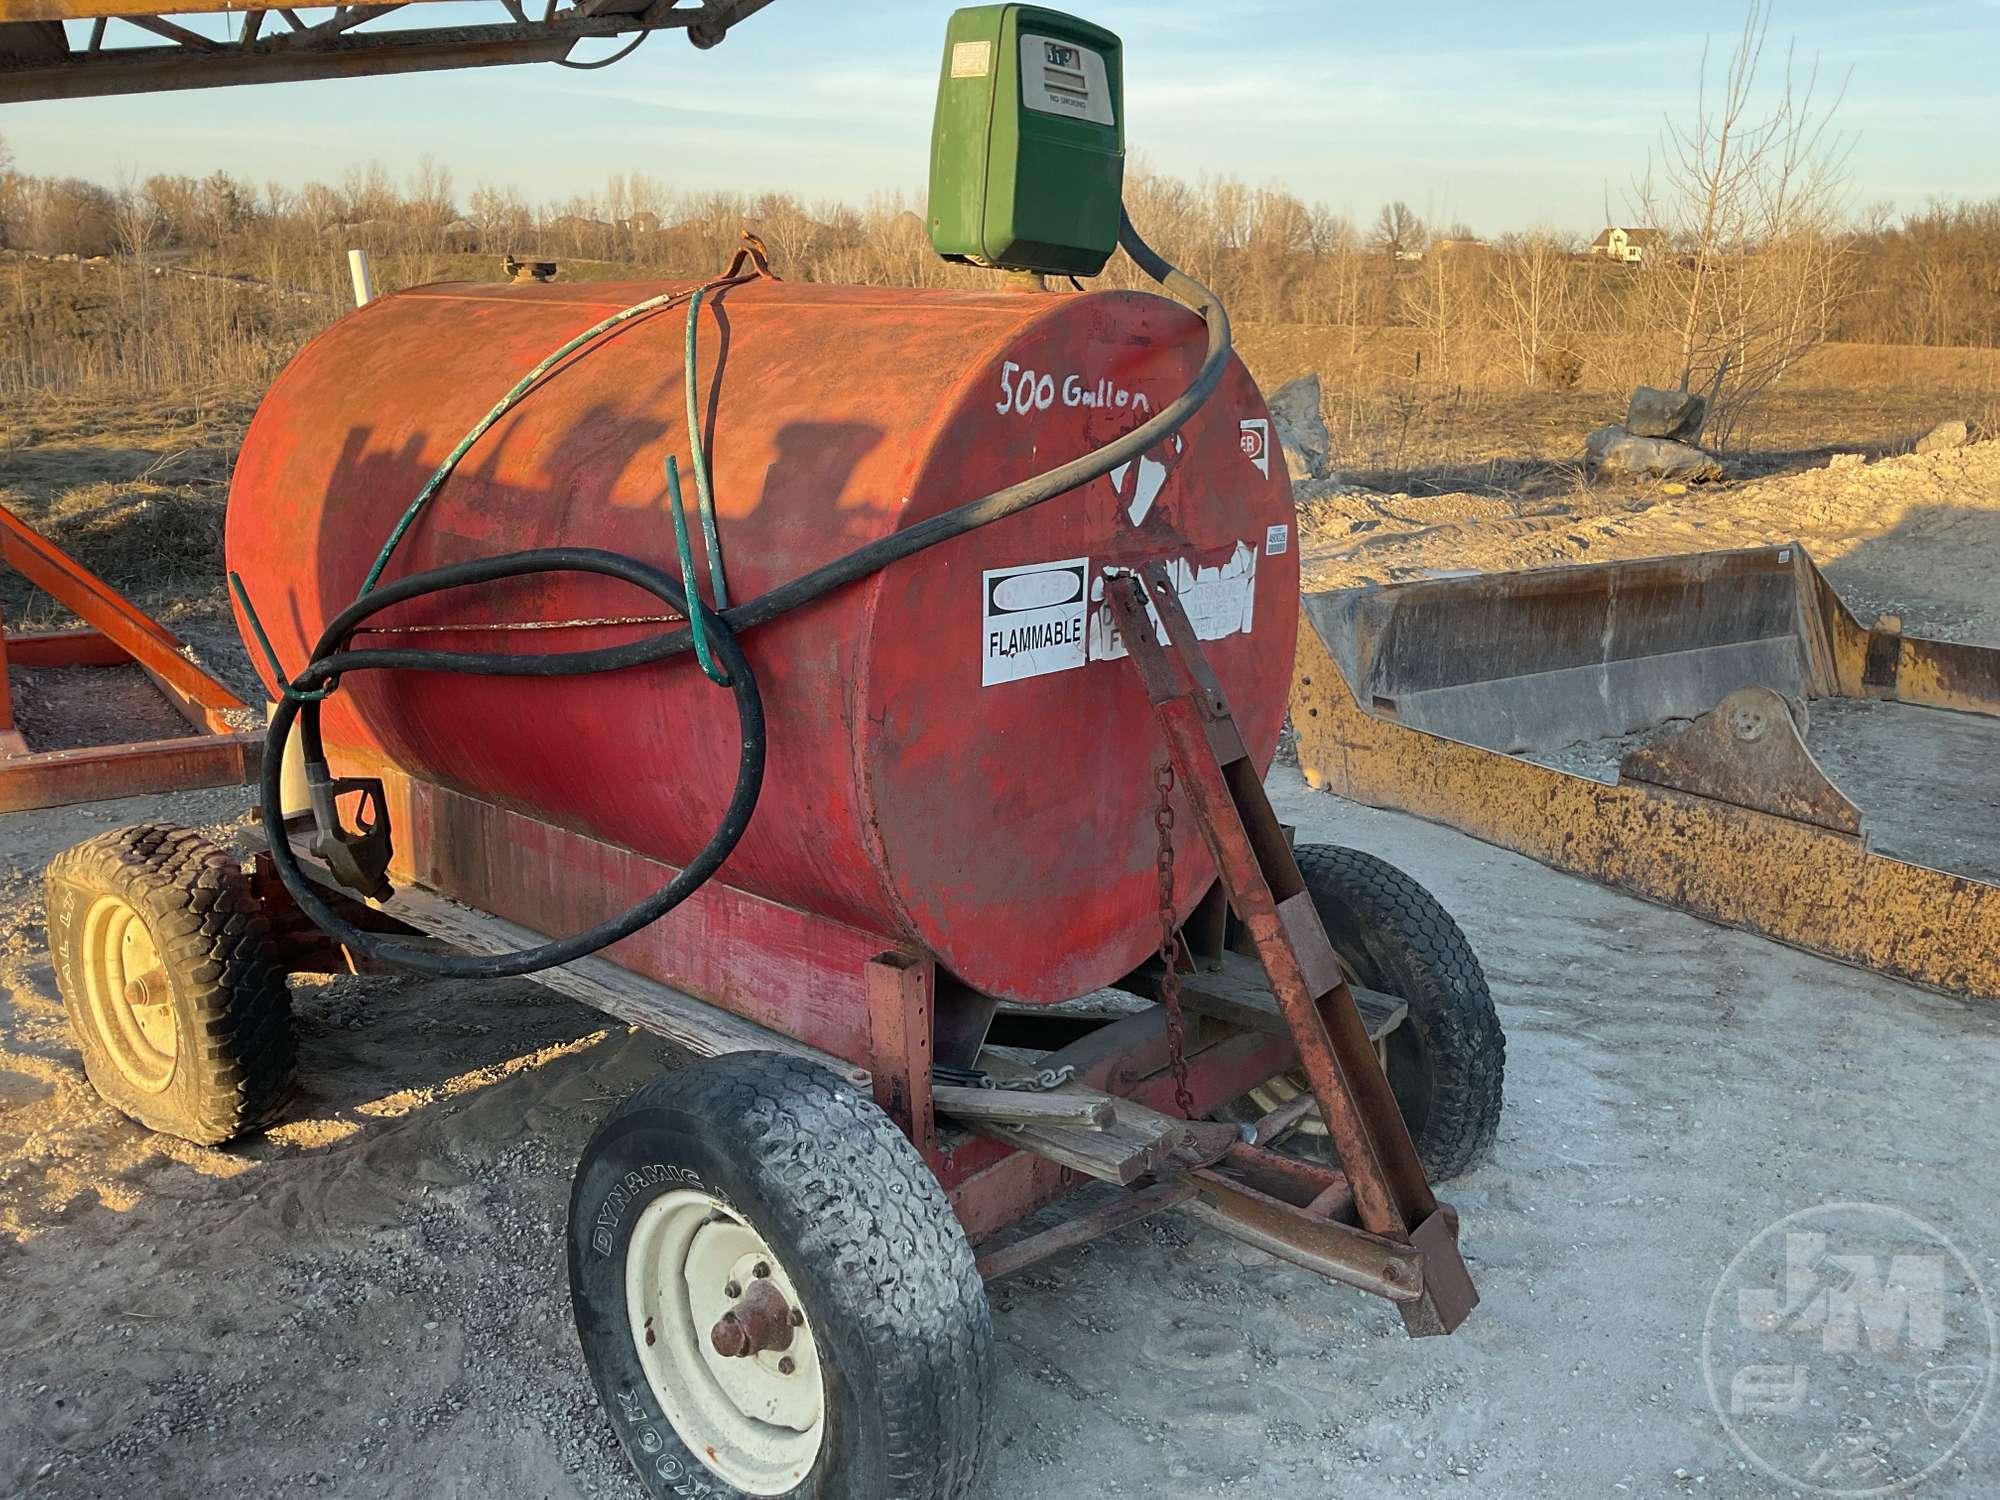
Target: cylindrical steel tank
(958,753)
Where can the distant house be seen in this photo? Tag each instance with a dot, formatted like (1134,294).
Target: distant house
(1623,243)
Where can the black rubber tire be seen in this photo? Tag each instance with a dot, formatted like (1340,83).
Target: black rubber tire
(235,1055)
(862,1229)
(1447,1062)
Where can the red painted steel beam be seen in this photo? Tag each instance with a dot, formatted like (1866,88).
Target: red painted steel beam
(992,1185)
(1392,1195)
(899,989)
(64,648)
(55,778)
(96,603)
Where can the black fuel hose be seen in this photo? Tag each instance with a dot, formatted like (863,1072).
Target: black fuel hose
(332,656)
(329,661)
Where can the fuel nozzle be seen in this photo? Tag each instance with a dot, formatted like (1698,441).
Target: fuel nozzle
(358,859)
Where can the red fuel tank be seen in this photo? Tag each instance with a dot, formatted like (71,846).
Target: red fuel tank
(958,752)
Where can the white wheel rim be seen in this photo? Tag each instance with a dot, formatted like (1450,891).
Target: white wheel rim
(125,990)
(757,1420)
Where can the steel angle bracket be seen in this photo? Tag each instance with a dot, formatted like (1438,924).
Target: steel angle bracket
(1390,1194)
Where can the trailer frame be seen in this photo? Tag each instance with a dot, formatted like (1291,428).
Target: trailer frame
(730,971)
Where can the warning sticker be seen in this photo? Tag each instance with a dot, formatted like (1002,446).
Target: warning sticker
(1220,601)
(1032,620)
(1254,438)
(1276,539)
(971,59)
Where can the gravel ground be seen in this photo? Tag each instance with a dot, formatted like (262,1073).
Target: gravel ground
(372,1301)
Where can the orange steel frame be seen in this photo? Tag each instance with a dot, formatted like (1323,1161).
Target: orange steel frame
(116,633)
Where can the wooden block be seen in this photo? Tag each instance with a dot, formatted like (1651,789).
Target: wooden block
(1239,995)
(1083,1109)
(1122,1152)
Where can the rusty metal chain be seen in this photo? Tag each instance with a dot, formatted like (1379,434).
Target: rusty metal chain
(1170,979)
(1041,1081)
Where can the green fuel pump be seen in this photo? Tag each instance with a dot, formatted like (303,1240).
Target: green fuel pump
(1028,146)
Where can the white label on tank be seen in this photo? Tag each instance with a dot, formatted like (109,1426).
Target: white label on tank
(1031,620)
(1254,438)
(1061,78)
(1276,540)
(1220,601)
(971,59)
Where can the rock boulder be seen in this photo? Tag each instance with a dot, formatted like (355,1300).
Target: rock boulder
(1665,414)
(1616,453)
(1301,429)
(1943,436)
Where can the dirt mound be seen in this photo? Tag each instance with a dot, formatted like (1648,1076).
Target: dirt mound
(1918,533)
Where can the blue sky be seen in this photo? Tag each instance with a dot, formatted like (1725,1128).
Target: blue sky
(1500,114)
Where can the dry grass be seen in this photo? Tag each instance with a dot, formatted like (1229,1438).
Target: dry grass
(1394,430)
(82,325)
(134,488)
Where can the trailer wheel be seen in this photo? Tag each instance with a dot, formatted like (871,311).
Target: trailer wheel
(165,963)
(772,1293)
(1446,1061)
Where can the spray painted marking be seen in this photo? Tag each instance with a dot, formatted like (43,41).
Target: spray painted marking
(1024,391)
(1220,601)
(1031,620)
(1148,478)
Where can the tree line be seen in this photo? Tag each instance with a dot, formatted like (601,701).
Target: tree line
(1753,257)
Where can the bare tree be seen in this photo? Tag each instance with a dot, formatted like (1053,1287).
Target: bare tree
(11,191)
(1398,231)
(68,216)
(1752,205)
(1532,280)
(1439,302)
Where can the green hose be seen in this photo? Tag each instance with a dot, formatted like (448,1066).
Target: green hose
(698,460)
(705,497)
(521,388)
(716,674)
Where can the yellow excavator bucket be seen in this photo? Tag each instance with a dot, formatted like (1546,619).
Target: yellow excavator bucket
(1715,732)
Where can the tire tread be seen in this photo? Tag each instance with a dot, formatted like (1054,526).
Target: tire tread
(876,1227)
(1371,907)
(215,942)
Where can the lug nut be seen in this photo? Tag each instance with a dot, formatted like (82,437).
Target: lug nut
(785,1365)
(732,1290)
(798,1318)
(761,1270)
